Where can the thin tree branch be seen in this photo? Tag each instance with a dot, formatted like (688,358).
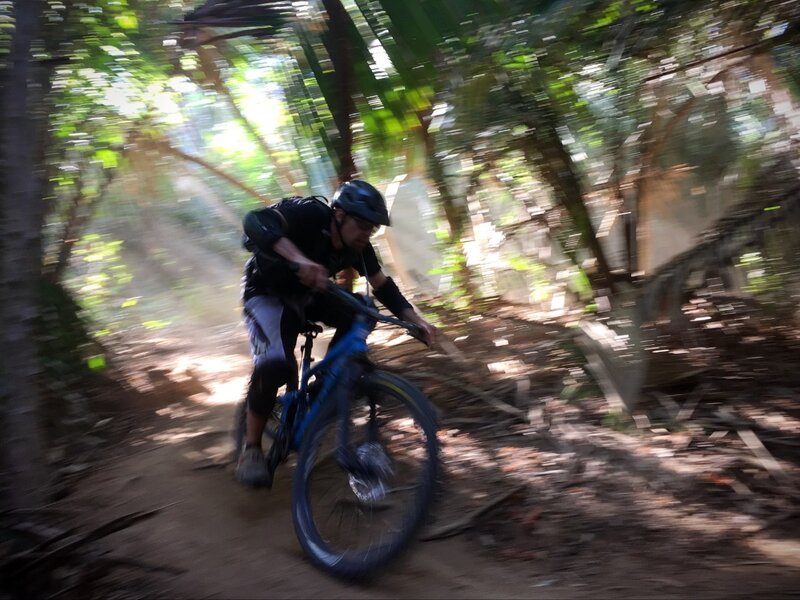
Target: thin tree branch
(762,45)
(212,73)
(252,31)
(168,148)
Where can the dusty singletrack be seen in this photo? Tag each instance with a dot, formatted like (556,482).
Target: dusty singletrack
(215,539)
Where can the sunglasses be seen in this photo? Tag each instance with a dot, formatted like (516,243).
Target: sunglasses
(363,225)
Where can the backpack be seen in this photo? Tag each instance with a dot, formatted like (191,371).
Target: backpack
(250,246)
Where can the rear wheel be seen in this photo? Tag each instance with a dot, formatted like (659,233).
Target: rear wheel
(351,524)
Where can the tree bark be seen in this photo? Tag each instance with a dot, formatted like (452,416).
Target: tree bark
(654,142)
(779,96)
(555,163)
(20,267)
(344,107)
(558,169)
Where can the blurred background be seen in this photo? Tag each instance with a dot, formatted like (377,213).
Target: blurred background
(620,172)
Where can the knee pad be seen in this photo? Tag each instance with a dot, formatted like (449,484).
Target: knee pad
(265,380)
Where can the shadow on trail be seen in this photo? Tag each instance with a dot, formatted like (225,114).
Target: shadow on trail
(592,510)
(592,507)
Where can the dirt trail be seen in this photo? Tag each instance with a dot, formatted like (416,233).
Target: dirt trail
(235,543)
(230,542)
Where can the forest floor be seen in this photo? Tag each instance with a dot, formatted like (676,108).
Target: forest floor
(547,493)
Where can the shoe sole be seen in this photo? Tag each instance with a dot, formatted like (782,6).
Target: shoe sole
(258,483)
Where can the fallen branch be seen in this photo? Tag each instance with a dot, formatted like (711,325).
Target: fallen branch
(777,519)
(762,454)
(118,561)
(475,391)
(212,463)
(469,519)
(40,532)
(783,442)
(451,350)
(41,510)
(101,566)
(687,410)
(104,530)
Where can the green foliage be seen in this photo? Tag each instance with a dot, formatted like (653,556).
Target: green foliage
(575,391)
(61,330)
(619,421)
(452,292)
(107,70)
(581,285)
(768,276)
(532,106)
(98,278)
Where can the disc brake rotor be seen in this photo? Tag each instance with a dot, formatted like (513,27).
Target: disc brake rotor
(372,488)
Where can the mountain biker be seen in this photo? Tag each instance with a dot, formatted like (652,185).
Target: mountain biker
(315,241)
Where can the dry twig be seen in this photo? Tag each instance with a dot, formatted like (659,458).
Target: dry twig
(469,519)
(474,391)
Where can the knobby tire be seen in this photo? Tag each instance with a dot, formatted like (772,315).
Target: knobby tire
(405,439)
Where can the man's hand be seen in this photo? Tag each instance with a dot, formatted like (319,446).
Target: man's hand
(428,331)
(312,275)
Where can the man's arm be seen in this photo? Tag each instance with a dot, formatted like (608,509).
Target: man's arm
(310,274)
(262,228)
(265,230)
(386,291)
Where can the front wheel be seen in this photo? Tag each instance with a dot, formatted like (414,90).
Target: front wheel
(351,524)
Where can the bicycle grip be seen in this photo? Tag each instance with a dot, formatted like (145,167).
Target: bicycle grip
(415,331)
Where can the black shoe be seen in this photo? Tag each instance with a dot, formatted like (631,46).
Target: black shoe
(252,469)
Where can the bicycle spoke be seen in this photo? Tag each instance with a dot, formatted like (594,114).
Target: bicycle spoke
(370,521)
(365,514)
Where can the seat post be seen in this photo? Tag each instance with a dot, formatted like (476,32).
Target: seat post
(311,331)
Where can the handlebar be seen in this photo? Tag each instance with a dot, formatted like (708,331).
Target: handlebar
(413,330)
(346,297)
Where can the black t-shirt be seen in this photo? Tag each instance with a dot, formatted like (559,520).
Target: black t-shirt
(306,222)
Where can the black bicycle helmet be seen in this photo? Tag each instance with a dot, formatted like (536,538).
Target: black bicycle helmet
(360,199)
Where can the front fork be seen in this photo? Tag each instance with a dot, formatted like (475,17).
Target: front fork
(346,456)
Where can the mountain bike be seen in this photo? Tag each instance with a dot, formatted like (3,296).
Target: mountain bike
(368,454)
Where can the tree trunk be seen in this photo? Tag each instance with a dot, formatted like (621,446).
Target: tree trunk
(555,164)
(559,171)
(343,106)
(655,141)
(779,96)
(20,268)
(455,212)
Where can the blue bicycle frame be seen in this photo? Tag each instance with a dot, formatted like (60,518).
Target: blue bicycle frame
(339,370)
(354,343)
(352,399)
